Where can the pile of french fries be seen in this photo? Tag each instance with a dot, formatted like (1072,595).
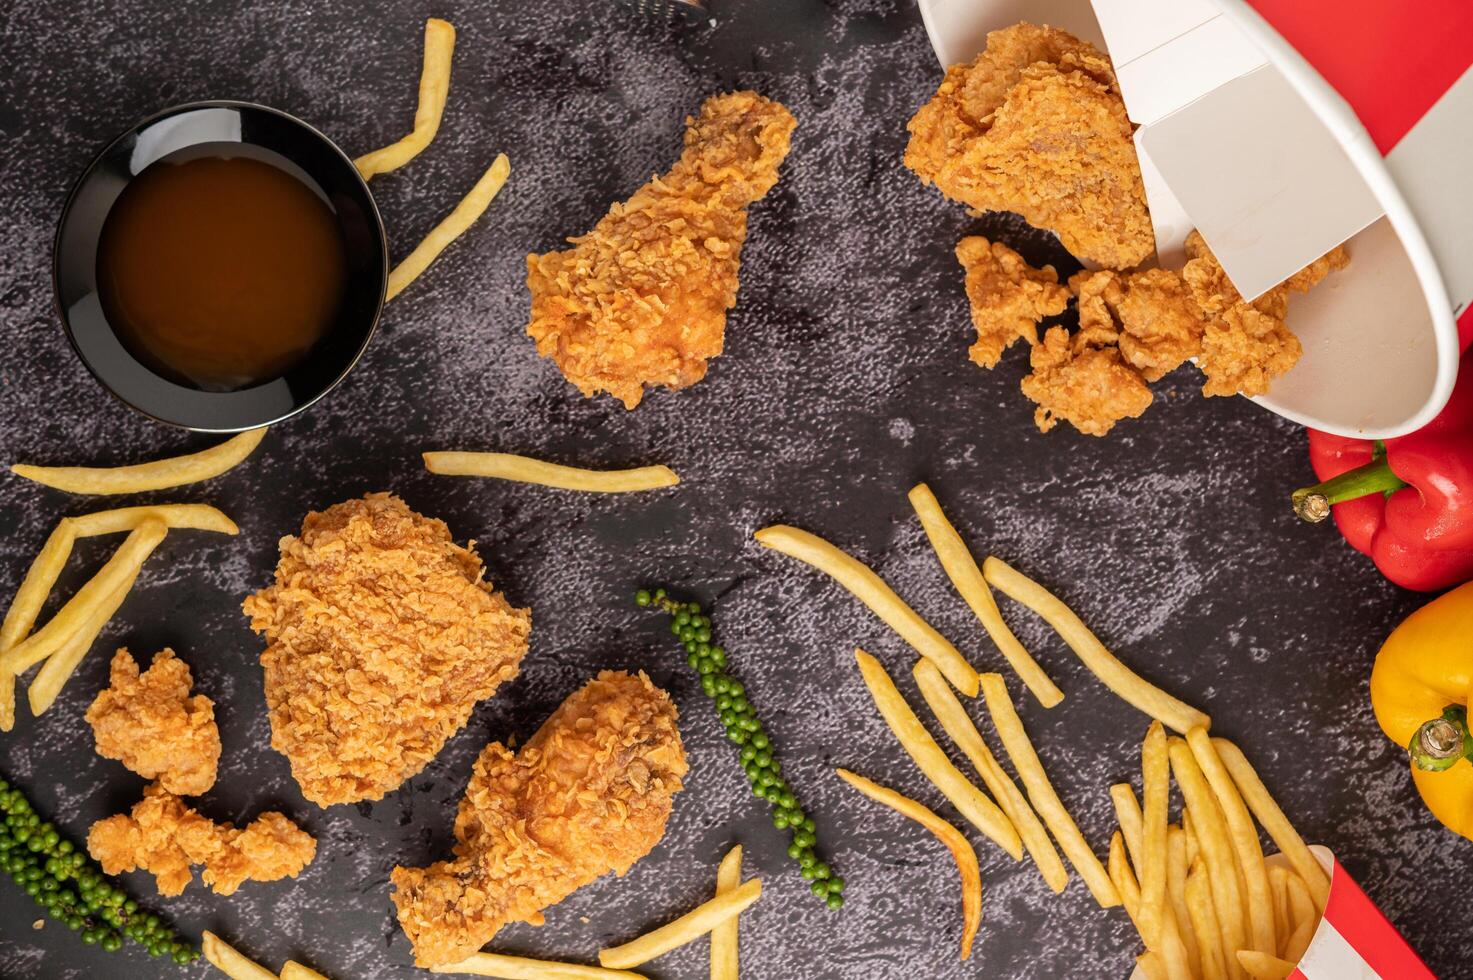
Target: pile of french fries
(1201,893)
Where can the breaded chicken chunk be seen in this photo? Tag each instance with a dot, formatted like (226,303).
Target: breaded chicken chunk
(149,722)
(1008,296)
(1035,125)
(1151,315)
(164,837)
(642,298)
(382,637)
(588,794)
(1088,386)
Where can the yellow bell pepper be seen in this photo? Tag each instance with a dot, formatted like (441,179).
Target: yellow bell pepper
(1420,692)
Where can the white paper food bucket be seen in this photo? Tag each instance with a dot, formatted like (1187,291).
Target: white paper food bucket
(1241,138)
(1354,940)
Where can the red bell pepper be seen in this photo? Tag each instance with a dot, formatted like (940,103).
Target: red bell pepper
(1408,502)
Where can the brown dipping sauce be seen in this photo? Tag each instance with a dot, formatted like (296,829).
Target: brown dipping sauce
(220,266)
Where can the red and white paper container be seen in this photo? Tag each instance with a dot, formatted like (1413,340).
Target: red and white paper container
(1280,129)
(1354,940)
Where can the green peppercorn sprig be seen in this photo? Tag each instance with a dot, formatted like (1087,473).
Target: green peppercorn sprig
(72,889)
(693,628)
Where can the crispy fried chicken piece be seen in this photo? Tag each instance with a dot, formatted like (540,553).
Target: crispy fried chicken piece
(1310,276)
(642,298)
(1035,125)
(588,794)
(1152,313)
(1008,296)
(1083,383)
(164,837)
(382,637)
(149,722)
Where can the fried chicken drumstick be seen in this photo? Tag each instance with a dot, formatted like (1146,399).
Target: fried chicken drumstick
(382,637)
(642,298)
(588,794)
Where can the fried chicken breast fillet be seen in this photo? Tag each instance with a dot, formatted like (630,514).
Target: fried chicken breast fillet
(150,724)
(165,837)
(382,637)
(589,793)
(1035,125)
(642,298)
(1007,295)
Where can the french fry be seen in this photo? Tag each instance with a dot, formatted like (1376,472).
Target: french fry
(60,666)
(471,207)
(1272,819)
(724,940)
(197,517)
(1041,792)
(1176,891)
(36,587)
(521,968)
(957,561)
(157,475)
(871,590)
(1300,939)
(1128,816)
(434,87)
(1217,852)
(1262,966)
(1204,924)
(958,725)
(1124,880)
(961,851)
(1126,683)
(1166,944)
(694,924)
(970,801)
(1156,792)
(120,568)
(1257,895)
(292,970)
(1278,882)
(523,469)
(231,962)
(1302,910)
(1191,836)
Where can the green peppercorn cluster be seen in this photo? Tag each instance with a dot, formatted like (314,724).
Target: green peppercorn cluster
(72,889)
(693,628)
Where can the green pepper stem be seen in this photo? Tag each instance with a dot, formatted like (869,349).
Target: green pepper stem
(1312,504)
(1441,742)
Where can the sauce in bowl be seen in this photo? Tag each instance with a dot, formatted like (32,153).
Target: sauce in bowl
(221,266)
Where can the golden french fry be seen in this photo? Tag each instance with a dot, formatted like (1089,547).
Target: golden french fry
(695,923)
(157,475)
(1204,924)
(1257,895)
(1262,966)
(521,968)
(471,207)
(1300,939)
(78,610)
(1302,911)
(724,962)
(1176,891)
(1124,879)
(1278,882)
(1166,945)
(197,517)
(1217,851)
(292,970)
(523,469)
(1193,852)
(60,666)
(958,725)
(870,589)
(1041,792)
(957,561)
(230,962)
(1128,815)
(1126,683)
(434,87)
(1272,819)
(36,586)
(1156,793)
(961,851)
(970,801)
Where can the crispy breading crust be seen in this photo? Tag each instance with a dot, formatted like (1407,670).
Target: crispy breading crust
(642,298)
(164,836)
(382,637)
(1008,296)
(1035,125)
(149,722)
(588,794)
(1088,386)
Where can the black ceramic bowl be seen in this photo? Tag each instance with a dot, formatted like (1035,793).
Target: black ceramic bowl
(278,137)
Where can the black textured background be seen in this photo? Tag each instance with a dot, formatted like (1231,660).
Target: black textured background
(844,381)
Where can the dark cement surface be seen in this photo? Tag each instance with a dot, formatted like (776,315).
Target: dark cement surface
(845,380)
